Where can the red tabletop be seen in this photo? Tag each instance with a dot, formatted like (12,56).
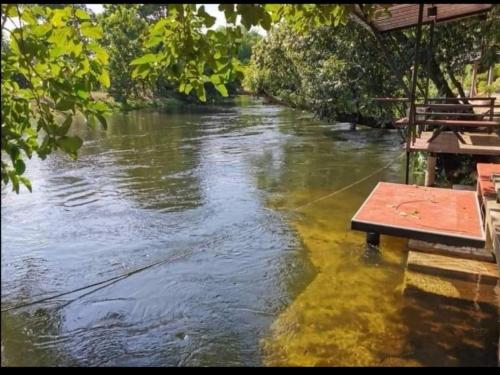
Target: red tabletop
(431,214)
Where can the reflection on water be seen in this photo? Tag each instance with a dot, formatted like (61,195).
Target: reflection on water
(249,280)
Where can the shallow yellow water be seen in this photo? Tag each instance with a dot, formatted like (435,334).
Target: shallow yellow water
(350,309)
(354,312)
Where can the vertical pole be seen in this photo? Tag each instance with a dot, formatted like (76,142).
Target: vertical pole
(429,56)
(472,91)
(490,81)
(490,75)
(430,172)
(411,120)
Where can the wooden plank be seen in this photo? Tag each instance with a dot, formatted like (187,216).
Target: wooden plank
(465,252)
(496,246)
(447,143)
(459,123)
(406,15)
(453,114)
(491,98)
(492,222)
(421,284)
(463,187)
(465,269)
(453,106)
(438,215)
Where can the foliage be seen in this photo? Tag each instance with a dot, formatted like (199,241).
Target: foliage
(56,52)
(56,49)
(123,33)
(248,40)
(328,70)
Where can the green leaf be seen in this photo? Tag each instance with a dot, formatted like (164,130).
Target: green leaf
(200,92)
(63,129)
(102,120)
(153,41)
(81,14)
(209,20)
(65,104)
(70,144)
(57,18)
(26,182)
(100,53)
(27,17)
(146,59)
(104,78)
(81,91)
(91,31)
(221,88)
(14,178)
(20,166)
(140,71)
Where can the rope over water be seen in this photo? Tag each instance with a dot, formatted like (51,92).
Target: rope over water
(114,279)
(350,185)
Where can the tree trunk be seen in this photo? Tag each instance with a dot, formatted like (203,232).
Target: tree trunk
(455,82)
(437,77)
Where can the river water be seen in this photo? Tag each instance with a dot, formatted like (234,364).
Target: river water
(247,278)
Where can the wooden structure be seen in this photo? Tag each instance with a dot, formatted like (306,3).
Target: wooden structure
(472,270)
(448,143)
(400,16)
(430,214)
(448,271)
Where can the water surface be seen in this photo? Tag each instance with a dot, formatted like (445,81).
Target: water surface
(248,279)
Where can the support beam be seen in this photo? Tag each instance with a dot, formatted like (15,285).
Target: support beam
(411,122)
(429,56)
(372,238)
(430,171)
(472,91)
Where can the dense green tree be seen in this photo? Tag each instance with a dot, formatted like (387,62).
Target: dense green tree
(124,30)
(334,72)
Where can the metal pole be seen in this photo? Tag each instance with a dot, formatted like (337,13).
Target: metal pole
(411,120)
(429,56)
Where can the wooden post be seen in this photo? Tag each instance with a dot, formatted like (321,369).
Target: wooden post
(490,81)
(429,57)
(430,171)
(490,75)
(372,238)
(411,119)
(472,91)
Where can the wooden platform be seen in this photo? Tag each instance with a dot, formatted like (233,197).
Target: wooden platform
(445,216)
(465,252)
(459,123)
(465,269)
(422,285)
(486,186)
(448,143)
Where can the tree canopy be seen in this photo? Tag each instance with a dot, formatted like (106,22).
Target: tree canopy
(57,56)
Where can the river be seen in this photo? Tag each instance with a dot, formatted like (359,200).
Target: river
(247,279)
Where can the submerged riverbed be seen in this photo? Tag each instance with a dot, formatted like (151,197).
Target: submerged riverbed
(249,279)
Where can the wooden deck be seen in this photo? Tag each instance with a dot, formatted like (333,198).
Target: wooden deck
(448,143)
(485,184)
(465,252)
(466,269)
(451,217)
